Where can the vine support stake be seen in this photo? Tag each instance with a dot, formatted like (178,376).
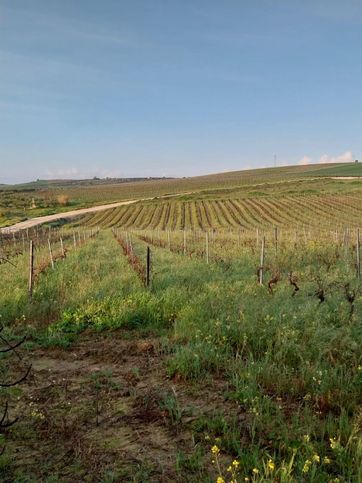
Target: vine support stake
(276,238)
(148,267)
(262,257)
(31,268)
(51,254)
(207,246)
(62,247)
(358,255)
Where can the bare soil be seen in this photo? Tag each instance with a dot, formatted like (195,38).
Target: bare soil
(101,408)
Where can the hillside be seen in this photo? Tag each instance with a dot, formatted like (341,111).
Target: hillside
(20,202)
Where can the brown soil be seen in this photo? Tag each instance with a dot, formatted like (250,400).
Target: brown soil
(102,406)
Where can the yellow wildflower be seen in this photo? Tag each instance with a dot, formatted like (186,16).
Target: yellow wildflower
(236,464)
(326,460)
(306,466)
(316,458)
(255,471)
(333,442)
(220,479)
(215,449)
(271,465)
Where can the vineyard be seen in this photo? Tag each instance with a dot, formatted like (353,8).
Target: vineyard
(206,337)
(160,355)
(20,202)
(248,213)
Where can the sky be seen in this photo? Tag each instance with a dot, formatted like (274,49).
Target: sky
(176,88)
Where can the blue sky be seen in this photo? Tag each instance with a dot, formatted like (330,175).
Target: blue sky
(176,88)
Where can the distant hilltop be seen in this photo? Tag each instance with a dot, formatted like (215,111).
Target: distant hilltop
(64,183)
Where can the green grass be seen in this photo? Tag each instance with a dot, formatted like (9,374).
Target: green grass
(346,169)
(285,368)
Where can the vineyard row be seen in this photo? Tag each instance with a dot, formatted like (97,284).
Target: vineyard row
(326,211)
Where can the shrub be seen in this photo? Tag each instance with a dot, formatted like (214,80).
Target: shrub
(63,200)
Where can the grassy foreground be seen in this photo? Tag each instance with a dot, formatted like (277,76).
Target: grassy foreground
(204,376)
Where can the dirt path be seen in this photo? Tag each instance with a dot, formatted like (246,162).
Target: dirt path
(23,225)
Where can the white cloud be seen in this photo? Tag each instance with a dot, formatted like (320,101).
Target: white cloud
(305,160)
(346,157)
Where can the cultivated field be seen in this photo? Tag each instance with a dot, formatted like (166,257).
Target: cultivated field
(19,202)
(243,213)
(214,336)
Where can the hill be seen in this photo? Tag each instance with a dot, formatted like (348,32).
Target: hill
(19,202)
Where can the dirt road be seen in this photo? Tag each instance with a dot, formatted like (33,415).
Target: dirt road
(23,225)
(31,222)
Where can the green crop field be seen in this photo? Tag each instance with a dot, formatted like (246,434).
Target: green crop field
(211,336)
(234,213)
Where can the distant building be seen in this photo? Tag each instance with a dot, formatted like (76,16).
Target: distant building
(356,161)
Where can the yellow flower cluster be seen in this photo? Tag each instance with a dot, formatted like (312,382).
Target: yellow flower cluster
(37,414)
(215,449)
(334,442)
(308,463)
(307,466)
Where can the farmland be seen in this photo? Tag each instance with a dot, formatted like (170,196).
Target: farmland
(237,359)
(242,213)
(19,202)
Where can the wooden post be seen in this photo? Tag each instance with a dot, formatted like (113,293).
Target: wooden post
(207,246)
(31,269)
(74,240)
(276,238)
(346,241)
(358,255)
(62,247)
(51,254)
(148,267)
(262,257)
(184,242)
